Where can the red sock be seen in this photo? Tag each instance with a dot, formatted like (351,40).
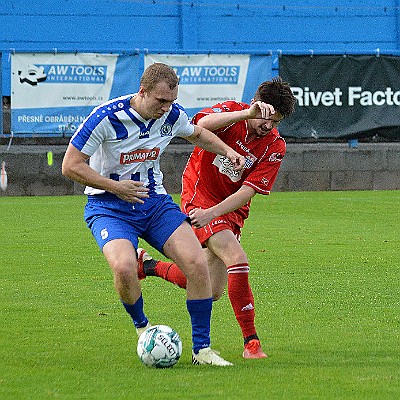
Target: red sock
(171,273)
(241,297)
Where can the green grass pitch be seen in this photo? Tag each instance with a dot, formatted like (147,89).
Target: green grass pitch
(325,269)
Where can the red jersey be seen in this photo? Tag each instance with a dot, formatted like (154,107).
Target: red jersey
(208,178)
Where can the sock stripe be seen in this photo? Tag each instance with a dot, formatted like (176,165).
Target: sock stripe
(238,269)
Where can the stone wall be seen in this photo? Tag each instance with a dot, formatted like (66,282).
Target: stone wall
(322,166)
(317,167)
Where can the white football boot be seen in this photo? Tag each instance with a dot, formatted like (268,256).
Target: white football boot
(139,331)
(210,357)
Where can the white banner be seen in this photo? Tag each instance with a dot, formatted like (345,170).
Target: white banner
(206,79)
(61,80)
(53,93)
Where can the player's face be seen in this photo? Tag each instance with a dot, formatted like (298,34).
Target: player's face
(261,127)
(157,101)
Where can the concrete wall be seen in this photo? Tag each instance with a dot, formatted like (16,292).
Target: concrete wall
(322,166)
(317,167)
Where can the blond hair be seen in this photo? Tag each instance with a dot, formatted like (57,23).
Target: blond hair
(159,72)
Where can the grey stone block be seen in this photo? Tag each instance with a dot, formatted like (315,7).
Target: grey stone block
(351,180)
(386,180)
(306,181)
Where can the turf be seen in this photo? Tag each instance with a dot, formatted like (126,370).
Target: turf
(325,269)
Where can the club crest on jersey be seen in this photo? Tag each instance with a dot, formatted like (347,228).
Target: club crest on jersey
(166,130)
(217,109)
(275,157)
(225,167)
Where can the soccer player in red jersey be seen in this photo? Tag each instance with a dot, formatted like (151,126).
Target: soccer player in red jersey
(217,197)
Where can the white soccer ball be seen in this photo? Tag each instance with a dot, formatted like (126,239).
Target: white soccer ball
(159,346)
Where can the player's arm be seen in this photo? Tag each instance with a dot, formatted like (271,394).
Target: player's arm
(207,140)
(75,167)
(214,121)
(201,217)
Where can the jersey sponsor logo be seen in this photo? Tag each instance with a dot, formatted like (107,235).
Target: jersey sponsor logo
(166,130)
(242,146)
(225,167)
(275,157)
(140,155)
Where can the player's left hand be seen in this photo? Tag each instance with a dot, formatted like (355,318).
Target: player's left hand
(200,217)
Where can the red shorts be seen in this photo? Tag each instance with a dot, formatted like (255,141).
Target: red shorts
(217,225)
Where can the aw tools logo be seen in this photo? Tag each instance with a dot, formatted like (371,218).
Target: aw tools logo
(32,74)
(208,74)
(63,73)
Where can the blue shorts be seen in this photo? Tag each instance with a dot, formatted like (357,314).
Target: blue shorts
(109,218)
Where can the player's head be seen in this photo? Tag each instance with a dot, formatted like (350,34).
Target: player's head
(158,90)
(156,73)
(278,94)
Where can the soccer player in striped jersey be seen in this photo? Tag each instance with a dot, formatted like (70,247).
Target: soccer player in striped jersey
(123,140)
(217,197)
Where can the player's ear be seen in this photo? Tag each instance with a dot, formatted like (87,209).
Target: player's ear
(252,102)
(142,91)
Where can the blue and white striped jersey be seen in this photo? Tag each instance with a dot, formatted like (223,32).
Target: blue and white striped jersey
(122,145)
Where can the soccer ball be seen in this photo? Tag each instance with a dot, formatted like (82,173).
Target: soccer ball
(159,346)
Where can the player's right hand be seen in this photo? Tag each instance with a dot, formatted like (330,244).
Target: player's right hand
(132,191)
(200,217)
(261,110)
(236,159)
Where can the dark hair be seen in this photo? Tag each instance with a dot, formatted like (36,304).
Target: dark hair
(159,72)
(278,94)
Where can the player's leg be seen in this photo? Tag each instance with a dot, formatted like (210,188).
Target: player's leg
(170,272)
(218,274)
(167,270)
(224,245)
(171,234)
(121,257)
(117,240)
(184,248)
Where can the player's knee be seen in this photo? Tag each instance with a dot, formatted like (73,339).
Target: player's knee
(200,275)
(235,258)
(123,268)
(196,270)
